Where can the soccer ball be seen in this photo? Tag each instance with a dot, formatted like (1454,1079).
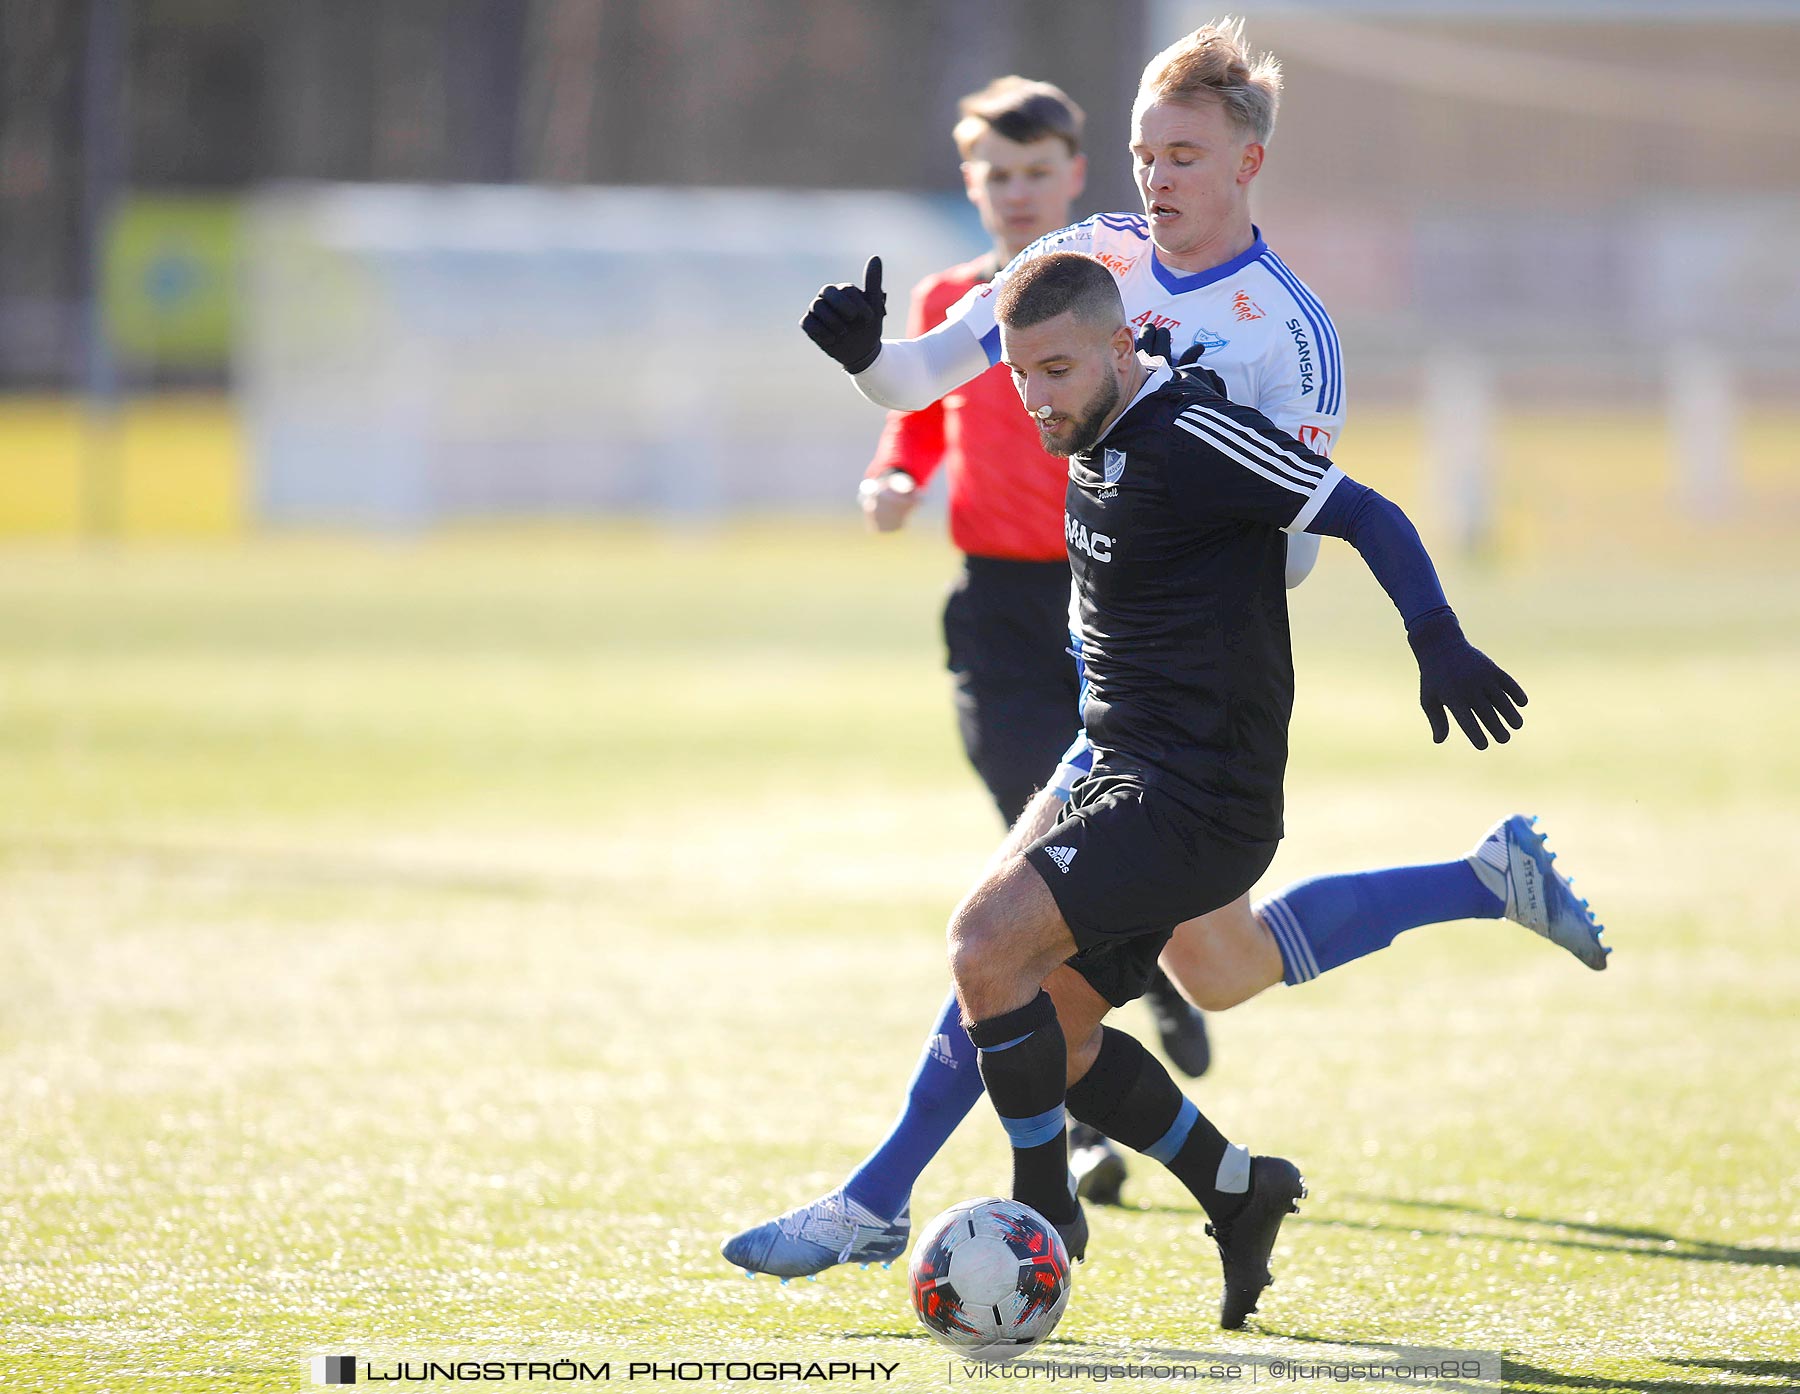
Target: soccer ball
(990,1277)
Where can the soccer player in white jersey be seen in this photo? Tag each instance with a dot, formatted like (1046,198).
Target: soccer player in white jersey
(1192,261)
(1194,264)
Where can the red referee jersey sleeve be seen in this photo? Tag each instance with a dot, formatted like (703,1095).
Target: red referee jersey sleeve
(1004,495)
(914,440)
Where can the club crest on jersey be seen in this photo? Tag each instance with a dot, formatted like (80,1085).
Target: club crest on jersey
(1208,341)
(1113,467)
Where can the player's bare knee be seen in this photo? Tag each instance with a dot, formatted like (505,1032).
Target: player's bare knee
(987,989)
(1004,939)
(983,961)
(971,938)
(966,961)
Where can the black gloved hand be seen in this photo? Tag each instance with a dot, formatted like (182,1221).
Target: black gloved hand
(1155,340)
(1455,675)
(845,320)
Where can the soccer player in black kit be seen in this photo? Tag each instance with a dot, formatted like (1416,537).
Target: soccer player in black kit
(1176,508)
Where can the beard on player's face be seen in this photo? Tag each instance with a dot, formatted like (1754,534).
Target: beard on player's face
(1084,426)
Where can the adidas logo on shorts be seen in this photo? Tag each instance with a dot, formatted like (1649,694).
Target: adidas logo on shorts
(1062,856)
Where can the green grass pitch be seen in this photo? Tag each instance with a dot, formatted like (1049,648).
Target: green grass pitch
(430,950)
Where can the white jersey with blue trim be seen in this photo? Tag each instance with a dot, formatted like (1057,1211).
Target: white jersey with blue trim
(1264,333)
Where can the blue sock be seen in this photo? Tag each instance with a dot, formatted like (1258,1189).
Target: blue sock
(944,1088)
(1328,921)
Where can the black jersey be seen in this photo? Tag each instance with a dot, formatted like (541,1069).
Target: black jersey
(1175,522)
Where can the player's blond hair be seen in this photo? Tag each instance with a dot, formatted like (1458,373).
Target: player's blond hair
(1213,64)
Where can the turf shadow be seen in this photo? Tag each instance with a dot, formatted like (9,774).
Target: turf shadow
(1626,1239)
(1263,1361)
(1516,1373)
(1770,1369)
(1519,1375)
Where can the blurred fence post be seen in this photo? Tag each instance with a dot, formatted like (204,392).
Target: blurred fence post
(1459,443)
(1703,430)
(103,167)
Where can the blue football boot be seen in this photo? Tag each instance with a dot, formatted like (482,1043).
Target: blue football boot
(818,1235)
(1512,863)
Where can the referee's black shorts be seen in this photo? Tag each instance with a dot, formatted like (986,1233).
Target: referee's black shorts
(1128,862)
(1006,626)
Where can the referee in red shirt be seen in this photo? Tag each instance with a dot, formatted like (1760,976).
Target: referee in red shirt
(1006,623)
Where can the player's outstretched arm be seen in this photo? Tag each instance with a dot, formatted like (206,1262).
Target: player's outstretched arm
(1456,679)
(903,374)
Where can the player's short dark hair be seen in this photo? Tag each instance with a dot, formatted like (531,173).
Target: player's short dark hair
(1020,109)
(1055,284)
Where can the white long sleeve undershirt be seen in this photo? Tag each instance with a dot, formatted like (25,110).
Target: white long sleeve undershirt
(910,374)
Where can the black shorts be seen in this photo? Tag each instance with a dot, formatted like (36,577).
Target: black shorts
(1126,863)
(1006,626)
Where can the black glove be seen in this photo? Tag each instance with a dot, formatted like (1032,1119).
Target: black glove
(1454,674)
(845,320)
(1154,339)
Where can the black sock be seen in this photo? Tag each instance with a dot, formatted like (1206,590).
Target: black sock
(1023,1066)
(1129,1096)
